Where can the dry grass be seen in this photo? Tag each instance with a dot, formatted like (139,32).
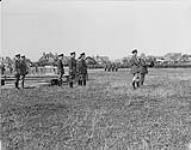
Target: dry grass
(105,115)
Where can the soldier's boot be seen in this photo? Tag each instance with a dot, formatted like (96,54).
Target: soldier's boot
(84,82)
(17,85)
(22,84)
(138,84)
(71,84)
(133,84)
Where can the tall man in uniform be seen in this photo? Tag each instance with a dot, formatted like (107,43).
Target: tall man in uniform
(23,70)
(17,70)
(83,70)
(72,69)
(60,67)
(135,64)
(143,69)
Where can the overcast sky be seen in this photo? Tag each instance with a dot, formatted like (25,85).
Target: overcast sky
(107,27)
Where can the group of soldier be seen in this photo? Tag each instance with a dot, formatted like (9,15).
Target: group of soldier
(20,70)
(139,68)
(77,69)
(111,67)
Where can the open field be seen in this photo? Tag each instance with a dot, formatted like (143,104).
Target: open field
(106,115)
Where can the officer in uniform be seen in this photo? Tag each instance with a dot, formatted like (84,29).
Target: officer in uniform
(23,70)
(72,69)
(82,70)
(135,64)
(17,70)
(143,70)
(60,68)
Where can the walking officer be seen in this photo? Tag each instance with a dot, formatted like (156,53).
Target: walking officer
(135,64)
(72,69)
(24,70)
(60,68)
(83,69)
(17,70)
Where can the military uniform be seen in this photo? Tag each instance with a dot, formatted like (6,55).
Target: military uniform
(72,71)
(143,70)
(135,69)
(23,71)
(134,62)
(60,68)
(17,71)
(82,72)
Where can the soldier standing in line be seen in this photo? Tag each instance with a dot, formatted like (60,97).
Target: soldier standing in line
(72,69)
(60,68)
(17,70)
(83,70)
(143,70)
(77,78)
(24,70)
(135,64)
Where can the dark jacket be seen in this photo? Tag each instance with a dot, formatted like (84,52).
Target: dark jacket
(72,65)
(135,64)
(23,67)
(60,66)
(82,67)
(143,67)
(17,66)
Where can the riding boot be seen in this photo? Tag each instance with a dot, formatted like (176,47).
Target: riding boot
(71,84)
(133,84)
(84,82)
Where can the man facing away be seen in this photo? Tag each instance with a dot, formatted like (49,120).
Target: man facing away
(60,68)
(135,64)
(82,70)
(72,69)
(23,70)
(17,70)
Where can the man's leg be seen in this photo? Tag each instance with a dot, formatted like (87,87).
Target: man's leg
(142,78)
(17,77)
(22,81)
(84,79)
(71,80)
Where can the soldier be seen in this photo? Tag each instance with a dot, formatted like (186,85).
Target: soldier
(72,69)
(143,69)
(60,68)
(23,69)
(83,69)
(135,69)
(17,70)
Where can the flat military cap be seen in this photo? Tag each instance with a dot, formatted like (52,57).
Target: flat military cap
(17,55)
(82,54)
(134,51)
(72,53)
(61,55)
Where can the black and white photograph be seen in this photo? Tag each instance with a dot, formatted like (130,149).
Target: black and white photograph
(95,75)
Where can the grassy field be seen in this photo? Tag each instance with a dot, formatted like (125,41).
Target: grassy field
(106,115)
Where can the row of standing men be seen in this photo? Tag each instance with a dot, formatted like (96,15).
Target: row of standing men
(77,69)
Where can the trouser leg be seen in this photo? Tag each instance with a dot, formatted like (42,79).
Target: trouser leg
(142,79)
(84,79)
(22,81)
(60,79)
(134,84)
(17,77)
(71,78)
